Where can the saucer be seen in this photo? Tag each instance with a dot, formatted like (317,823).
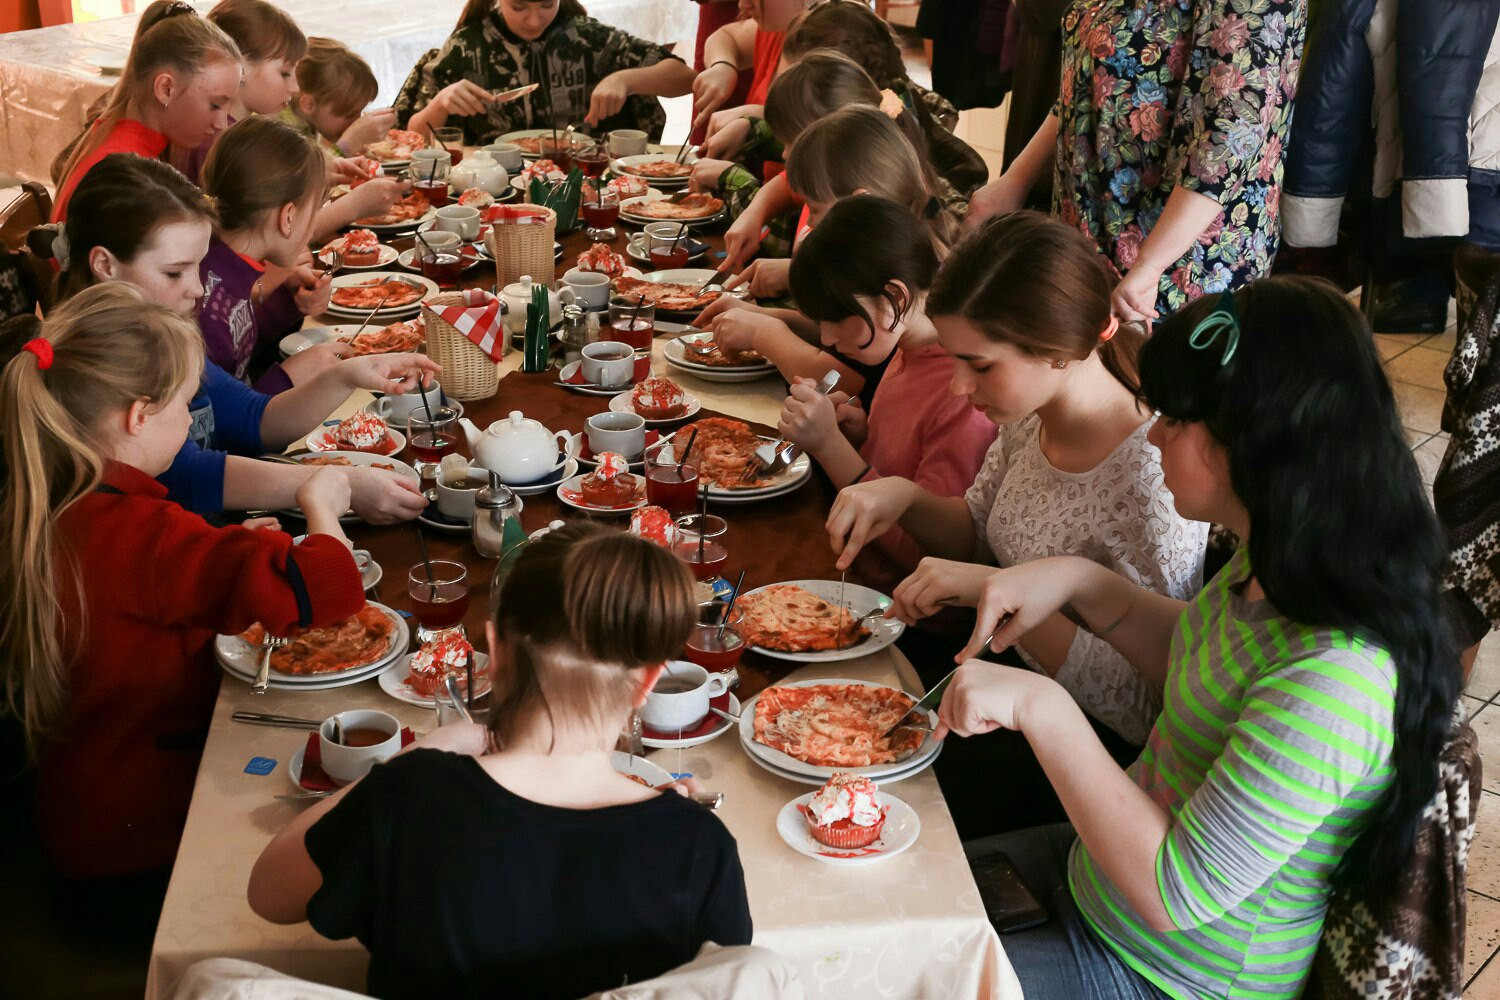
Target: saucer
(570,492)
(434,518)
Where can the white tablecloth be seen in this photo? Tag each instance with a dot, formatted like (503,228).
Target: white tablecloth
(50,76)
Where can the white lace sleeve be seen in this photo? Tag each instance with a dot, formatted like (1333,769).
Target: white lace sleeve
(981,496)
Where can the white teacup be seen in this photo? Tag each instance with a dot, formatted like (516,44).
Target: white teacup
(679,701)
(457,499)
(608,363)
(344,763)
(621,433)
(397,408)
(507,154)
(590,288)
(627,142)
(460,219)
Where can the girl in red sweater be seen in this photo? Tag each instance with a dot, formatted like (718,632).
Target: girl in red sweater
(114,594)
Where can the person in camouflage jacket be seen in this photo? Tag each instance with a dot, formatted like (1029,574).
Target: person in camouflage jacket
(589,73)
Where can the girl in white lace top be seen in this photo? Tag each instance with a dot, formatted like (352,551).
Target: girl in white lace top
(1023,307)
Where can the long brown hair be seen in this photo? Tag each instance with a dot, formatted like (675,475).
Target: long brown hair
(257,166)
(475,9)
(1035,282)
(119,206)
(110,347)
(332,73)
(813,88)
(262,30)
(170,36)
(852,28)
(860,147)
(581,607)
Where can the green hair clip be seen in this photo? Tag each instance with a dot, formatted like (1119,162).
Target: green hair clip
(1222,319)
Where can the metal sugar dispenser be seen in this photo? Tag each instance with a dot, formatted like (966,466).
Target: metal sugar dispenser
(495,507)
(580,328)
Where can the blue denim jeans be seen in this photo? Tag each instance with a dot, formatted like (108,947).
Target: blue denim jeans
(1062,959)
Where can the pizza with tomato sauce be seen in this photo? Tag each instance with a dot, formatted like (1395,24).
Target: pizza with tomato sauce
(354,642)
(787,618)
(724,452)
(369,294)
(659,169)
(836,725)
(391,339)
(413,206)
(687,208)
(667,295)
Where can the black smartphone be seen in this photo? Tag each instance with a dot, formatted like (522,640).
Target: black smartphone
(1010,905)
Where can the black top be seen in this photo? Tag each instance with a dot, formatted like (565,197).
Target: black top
(461,888)
(872,374)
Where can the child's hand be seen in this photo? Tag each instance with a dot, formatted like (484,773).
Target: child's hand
(463,98)
(375,196)
(261,524)
(768,278)
(736,329)
(306,365)
(608,98)
(864,512)
(351,169)
(367,128)
(383,497)
(467,738)
(742,239)
(854,422)
(312,298)
(326,493)
(388,373)
(718,307)
(711,89)
(706,174)
(807,417)
(727,142)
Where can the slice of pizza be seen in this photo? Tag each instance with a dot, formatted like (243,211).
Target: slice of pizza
(836,725)
(356,641)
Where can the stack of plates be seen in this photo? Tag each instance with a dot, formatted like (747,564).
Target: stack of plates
(784,482)
(859,600)
(678,357)
(240,660)
(390,314)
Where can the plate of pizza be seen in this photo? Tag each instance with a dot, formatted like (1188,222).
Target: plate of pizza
(407,213)
(809,730)
(354,295)
(695,209)
(344,459)
(535,142)
(718,365)
(345,652)
(655,169)
(725,448)
(674,290)
(804,621)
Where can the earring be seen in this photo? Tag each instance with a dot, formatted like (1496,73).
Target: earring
(1059,364)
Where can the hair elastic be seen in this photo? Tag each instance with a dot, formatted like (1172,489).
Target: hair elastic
(932,208)
(1222,319)
(42,348)
(1110,330)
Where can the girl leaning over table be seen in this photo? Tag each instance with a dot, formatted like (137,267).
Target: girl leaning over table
(515,853)
(139,221)
(1023,308)
(588,73)
(1308,688)
(114,594)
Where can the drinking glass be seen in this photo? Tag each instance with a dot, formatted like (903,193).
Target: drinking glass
(632,322)
(673,488)
(667,250)
(431,437)
(599,214)
(452,140)
(706,646)
(591,158)
(444,265)
(430,181)
(439,601)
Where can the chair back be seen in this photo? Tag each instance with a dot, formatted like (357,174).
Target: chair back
(25,278)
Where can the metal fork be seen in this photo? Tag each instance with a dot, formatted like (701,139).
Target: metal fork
(335,262)
(268,645)
(767,455)
(782,459)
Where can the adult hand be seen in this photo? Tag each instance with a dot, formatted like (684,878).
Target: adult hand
(936,583)
(467,738)
(866,511)
(767,278)
(999,196)
(608,98)
(325,492)
(1134,298)
(367,128)
(727,141)
(854,423)
(306,365)
(1029,593)
(808,418)
(742,239)
(983,697)
(463,98)
(719,306)
(706,174)
(389,373)
(383,497)
(711,89)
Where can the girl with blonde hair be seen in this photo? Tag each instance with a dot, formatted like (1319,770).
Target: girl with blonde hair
(113,593)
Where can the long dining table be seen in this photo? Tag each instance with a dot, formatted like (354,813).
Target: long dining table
(909,926)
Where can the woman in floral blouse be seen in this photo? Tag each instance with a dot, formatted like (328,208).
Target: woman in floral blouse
(1166,142)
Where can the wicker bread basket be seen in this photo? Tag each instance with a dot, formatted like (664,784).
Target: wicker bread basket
(468,373)
(523,249)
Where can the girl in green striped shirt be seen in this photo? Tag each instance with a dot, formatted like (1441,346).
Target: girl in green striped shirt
(1307,688)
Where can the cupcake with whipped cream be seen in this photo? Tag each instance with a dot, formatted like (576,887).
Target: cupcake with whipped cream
(436,660)
(846,813)
(362,432)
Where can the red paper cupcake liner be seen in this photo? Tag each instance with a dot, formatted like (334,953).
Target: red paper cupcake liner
(845,833)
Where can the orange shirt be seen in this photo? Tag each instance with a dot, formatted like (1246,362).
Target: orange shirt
(767,58)
(128,136)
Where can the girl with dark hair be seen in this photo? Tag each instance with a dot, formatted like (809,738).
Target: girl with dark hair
(588,71)
(1309,686)
(868,299)
(582,626)
(1022,306)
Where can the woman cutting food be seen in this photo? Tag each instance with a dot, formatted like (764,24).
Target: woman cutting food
(586,73)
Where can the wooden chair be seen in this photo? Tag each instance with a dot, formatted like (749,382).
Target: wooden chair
(31,209)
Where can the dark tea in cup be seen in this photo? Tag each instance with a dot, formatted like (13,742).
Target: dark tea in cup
(363,736)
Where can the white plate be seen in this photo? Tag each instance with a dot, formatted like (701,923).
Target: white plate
(790,767)
(883,631)
(646,220)
(885,779)
(635,249)
(292,343)
(294,766)
(623,165)
(241,659)
(393,681)
(571,486)
(357,458)
(676,353)
(786,481)
(623,403)
(372,575)
(391,228)
(641,768)
(568,370)
(902,827)
(390,313)
(724,727)
(637,465)
(321,441)
(436,519)
(387,257)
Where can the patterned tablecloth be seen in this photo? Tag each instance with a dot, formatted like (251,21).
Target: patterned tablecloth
(50,76)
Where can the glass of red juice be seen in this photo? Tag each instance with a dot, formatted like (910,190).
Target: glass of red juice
(436,192)
(673,488)
(430,437)
(706,646)
(600,214)
(667,249)
(443,266)
(591,159)
(632,321)
(452,140)
(705,558)
(440,600)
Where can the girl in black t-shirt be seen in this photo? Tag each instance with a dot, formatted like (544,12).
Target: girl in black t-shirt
(514,860)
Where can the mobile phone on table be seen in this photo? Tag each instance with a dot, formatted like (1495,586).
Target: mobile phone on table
(1010,905)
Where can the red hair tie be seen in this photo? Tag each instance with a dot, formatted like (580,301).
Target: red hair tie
(1109,331)
(42,349)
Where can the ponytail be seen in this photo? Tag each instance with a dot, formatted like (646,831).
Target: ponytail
(59,380)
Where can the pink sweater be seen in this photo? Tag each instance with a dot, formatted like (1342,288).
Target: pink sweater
(919,430)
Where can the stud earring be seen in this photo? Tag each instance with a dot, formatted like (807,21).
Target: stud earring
(1059,364)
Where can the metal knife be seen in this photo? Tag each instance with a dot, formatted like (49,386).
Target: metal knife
(929,701)
(506,96)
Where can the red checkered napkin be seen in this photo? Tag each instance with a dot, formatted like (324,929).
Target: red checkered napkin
(478,319)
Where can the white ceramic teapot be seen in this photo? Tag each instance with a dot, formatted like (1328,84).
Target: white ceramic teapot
(519,449)
(517,297)
(480,170)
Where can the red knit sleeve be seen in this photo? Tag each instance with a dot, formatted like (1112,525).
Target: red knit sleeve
(226,579)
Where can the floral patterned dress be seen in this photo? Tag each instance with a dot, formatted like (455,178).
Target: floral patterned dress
(1161,93)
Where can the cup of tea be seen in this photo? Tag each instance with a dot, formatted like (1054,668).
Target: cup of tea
(679,701)
(590,288)
(455,494)
(621,433)
(365,738)
(627,142)
(608,363)
(507,154)
(460,219)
